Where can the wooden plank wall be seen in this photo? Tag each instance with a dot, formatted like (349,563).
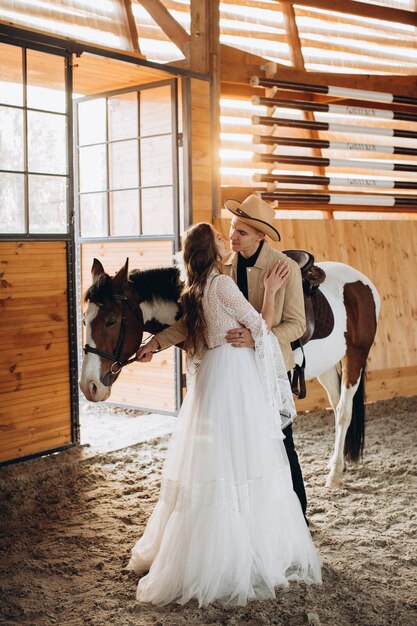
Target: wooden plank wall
(386,251)
(35,408)
(152,384)
(201,151)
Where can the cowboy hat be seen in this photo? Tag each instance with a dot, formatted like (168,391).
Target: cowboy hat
(255,212)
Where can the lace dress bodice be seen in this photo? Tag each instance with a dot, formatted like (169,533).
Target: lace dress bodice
(225,307)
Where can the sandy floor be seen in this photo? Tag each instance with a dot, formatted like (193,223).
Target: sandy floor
(104,428)
(67,524)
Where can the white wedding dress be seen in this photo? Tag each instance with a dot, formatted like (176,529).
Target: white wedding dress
(228,525)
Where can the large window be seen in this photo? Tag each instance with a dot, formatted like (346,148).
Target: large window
(127,179)
(33,142)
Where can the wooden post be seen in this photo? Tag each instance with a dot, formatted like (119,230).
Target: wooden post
(205,58)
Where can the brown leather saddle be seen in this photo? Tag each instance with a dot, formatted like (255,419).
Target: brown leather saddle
(319,315)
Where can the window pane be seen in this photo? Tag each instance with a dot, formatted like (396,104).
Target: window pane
(47,143)
(155,111)
(157,211)
(156,161)
(47,204)
(124,207)
(92,122)
(11,139)
(123,116)
(46,81)
(93,169)
(12,203)
(123,164)
(11,75)
(93,215)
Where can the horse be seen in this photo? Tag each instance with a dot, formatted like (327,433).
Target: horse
(122,308)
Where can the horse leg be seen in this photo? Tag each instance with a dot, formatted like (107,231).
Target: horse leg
(343,415)
(331,382)
(350,414)
(361,307)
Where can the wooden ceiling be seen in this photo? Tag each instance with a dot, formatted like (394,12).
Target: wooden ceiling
(94,74)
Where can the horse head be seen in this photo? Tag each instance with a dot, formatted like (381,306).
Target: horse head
(114,328)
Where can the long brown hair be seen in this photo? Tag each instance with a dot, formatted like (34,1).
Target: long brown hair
(200,256)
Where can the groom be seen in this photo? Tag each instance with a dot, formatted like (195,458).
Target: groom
(250,258)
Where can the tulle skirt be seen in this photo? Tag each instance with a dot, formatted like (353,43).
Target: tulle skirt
(228,525)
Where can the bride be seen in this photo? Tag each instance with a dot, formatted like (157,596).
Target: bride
(228,525)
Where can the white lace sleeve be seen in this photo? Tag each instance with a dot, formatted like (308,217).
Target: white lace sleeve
(269,359)
(273,373)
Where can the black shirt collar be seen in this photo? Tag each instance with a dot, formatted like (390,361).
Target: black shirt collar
(250,261)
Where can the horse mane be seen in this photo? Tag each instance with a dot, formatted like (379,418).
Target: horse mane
(159,283)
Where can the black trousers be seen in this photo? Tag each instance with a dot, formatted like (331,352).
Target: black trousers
(296,474)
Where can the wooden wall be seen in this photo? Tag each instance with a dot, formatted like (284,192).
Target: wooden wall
(386,251)
(35,409)
(151,384)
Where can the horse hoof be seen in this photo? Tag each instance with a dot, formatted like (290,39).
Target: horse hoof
(334,483)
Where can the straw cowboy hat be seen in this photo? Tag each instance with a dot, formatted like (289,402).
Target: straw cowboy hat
(255,212)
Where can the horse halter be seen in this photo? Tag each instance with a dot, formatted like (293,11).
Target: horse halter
(115,357)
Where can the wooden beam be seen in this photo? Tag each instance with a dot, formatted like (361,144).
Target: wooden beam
(168,24)
(296,52)
(298,62)
(200,35)
(205,58)
(131,25)
(362,9)
(237,68)
(214,68)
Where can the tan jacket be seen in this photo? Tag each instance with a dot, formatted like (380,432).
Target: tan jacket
(289,318)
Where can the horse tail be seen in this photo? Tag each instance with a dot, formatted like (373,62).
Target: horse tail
(355,436)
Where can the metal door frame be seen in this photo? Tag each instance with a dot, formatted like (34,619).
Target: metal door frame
(175,237)
(68,237)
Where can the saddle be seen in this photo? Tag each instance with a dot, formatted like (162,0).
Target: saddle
(319,315)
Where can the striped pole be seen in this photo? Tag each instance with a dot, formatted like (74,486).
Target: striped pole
(338,109)
(333,128)
(344,163)
(339,92)
(347,199)
(270,140)
(331,180)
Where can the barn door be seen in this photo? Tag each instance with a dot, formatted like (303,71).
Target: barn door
(38,400)
(128,207)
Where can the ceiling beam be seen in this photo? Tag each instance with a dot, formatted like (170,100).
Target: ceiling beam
(356,8)
(131,25)
(296,53)
(168,24)
(237,68)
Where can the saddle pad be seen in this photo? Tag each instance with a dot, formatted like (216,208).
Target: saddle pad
(323,316)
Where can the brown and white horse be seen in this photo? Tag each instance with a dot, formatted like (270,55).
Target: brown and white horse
(122,308)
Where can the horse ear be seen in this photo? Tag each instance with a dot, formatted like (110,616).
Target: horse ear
(97,269)
(121,279)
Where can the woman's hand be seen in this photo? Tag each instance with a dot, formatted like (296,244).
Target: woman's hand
(240,337)
(276,277)
(145,352)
